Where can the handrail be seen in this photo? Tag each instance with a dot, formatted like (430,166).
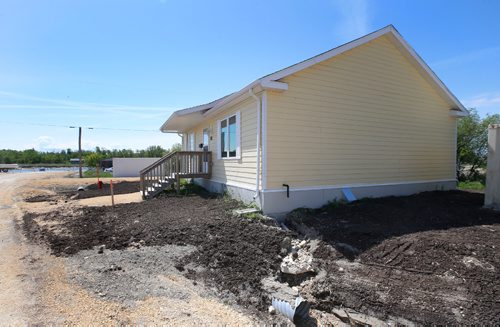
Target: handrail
(170,154)
(173,166)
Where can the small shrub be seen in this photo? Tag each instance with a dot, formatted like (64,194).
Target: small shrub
(471,185)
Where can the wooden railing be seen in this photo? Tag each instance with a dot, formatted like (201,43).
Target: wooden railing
(172,167)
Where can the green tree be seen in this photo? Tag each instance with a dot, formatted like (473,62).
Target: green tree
(176,147)
(155,151)
(472,144)
(93,159)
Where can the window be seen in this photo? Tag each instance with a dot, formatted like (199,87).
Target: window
(229,137)
(191,142)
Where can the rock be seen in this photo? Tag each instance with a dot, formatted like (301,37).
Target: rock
(275,289)
(81,188)
(271,310)
(295,268)
(341,314)
(302,244)
(341,269)
(101,249)
(254,300)
(344,247)
(362,319)
(286,244)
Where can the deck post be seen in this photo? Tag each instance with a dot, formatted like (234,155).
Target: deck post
(492,194)
(178,183)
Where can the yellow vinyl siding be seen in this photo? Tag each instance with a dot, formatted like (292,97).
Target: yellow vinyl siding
(239,172)
(366,116)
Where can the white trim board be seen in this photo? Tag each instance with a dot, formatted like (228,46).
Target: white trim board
(263,157)
(327,187)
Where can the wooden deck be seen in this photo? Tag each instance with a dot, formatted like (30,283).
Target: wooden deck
(170,169)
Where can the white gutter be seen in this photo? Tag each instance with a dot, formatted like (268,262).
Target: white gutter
(259,108)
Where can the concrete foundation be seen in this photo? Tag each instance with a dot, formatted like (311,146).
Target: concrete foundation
(492,193)
(243,194)
(275,203)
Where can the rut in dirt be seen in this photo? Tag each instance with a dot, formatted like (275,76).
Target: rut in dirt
(431,258)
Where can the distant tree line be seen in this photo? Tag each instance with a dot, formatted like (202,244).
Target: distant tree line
(33,157)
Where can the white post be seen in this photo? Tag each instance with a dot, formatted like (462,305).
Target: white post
(492,195)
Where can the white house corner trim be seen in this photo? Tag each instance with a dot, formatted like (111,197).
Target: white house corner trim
(264,142)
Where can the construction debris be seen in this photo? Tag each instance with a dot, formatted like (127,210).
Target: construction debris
(299,260)
(241,212)
(298,315)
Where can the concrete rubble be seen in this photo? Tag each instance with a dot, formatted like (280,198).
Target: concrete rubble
(299,258)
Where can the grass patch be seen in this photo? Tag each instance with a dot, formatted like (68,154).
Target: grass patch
(92,173)
(478,186)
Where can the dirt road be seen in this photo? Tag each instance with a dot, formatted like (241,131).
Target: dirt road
(41,289)
(13,288)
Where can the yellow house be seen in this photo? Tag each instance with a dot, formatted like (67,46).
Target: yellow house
(368,118)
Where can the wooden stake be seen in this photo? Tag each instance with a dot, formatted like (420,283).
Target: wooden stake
(112,195)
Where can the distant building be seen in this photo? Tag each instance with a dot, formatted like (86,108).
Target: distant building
(75,161)
(106,163)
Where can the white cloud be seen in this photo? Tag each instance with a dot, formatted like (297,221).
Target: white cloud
(43,142)
(353,19)
(42,103)
(485,103)
(483,100)
(92,139)
(49,144)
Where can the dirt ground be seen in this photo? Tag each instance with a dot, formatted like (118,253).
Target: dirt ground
(430,258)
(92,190)
(136,285)
(426,259)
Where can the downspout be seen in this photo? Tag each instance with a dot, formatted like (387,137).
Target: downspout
(259,109)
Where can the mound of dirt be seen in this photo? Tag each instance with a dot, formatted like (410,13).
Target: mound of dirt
(431,258)
(92,190)
(233,254)
(41,198)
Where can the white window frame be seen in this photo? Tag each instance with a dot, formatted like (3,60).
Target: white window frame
(238,137)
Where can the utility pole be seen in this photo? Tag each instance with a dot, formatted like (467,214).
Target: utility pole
(80,151)
(80,148)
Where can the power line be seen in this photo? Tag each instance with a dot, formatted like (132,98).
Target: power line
(75,126)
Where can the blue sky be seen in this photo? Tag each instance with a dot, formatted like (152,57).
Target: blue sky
(129,64)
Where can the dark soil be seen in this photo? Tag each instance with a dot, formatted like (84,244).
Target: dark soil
(93,191)
(41,198)
(432,258)
(236,253)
